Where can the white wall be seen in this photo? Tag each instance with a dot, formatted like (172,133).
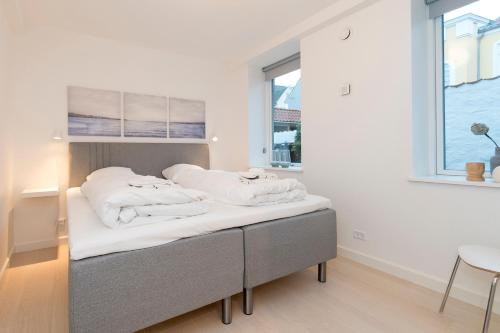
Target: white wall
(360,150)
(47,61)
(5,151)
(258,92)
(357,151)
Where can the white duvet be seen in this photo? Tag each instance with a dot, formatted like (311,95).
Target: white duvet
(88,237)
(124,199)
(228,187)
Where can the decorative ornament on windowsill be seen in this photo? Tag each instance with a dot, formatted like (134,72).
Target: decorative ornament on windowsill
(483,129)
(475,171)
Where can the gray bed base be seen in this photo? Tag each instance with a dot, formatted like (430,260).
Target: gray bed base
(281,247)
(128,291)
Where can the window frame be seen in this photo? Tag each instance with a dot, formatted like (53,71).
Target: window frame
(440,130)
(439,36)
(270,126)
(496,58)
(269,122)
(440,102)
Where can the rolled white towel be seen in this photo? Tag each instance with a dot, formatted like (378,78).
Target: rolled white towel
(127,215)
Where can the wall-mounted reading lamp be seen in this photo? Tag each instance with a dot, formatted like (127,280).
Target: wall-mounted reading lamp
(57,136)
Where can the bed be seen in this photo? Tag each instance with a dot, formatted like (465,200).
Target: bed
(126,280)
(129,290)
(277,248)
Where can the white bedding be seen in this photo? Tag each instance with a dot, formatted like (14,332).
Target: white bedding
(123,199)
(229,187)
(88,237)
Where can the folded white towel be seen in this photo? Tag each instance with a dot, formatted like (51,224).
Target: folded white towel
(257,176)
(248,175)
(232,188)
(148,181)
(128,214)
(257,170)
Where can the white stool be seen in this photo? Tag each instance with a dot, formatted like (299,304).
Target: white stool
(483,258)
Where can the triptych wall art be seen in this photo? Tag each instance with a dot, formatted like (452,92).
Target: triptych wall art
(95,112)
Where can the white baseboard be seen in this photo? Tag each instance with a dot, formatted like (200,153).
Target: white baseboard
(63,239)
(31,246)
(420,278)
(25,247)
(43,244)
(5,265)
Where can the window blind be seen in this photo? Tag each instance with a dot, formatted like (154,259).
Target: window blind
(282,67)
(440,7)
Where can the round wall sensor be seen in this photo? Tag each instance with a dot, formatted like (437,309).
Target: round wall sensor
(344,34)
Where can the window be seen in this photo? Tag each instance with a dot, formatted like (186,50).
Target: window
(284,114)
(286,129)
(468,87)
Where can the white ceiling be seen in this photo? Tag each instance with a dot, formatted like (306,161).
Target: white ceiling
(216,29)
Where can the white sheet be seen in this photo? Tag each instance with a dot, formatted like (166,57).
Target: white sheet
(88,237)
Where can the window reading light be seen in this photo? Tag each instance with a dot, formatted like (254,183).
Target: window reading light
(215,139)
(57,136)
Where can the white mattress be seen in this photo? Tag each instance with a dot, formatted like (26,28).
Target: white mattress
(89,237)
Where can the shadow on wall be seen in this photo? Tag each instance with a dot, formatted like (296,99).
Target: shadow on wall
(10,236)
(34,257)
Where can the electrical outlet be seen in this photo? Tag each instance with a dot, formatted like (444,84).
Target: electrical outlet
(345,89)
(360,235)
(61,226)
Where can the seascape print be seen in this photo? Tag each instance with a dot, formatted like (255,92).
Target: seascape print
(145,115)
(94,112)
(187,119)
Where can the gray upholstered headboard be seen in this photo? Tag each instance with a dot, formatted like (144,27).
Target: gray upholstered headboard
(142,158)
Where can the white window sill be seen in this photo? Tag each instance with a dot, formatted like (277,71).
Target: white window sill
(453,180)
(290,169)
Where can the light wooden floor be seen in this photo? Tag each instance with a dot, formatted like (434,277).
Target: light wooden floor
(33,298)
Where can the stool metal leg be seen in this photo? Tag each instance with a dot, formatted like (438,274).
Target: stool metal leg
(447,293)
(322,272)
(248,301)
(490,304)
(226,311)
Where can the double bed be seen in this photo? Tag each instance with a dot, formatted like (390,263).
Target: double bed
(123,280)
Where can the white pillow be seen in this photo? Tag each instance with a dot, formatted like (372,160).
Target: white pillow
(170,172)
(110,171)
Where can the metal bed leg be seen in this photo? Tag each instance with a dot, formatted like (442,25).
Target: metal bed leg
(247,301)
(490,304)
(227,317)
(452,277)
(322,272)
